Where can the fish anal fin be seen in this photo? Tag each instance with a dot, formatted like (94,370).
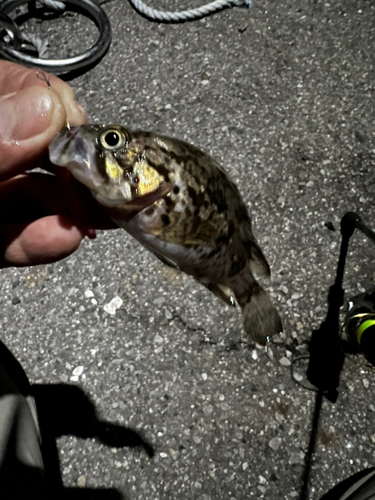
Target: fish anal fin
(223,292)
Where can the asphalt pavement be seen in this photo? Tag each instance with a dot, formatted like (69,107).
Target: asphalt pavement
(165,397)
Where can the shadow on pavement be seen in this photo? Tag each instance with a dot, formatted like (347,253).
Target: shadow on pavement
(65,409)
(30,471)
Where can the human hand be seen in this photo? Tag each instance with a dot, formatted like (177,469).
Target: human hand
(36,223)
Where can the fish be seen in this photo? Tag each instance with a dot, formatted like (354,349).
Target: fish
(180,204)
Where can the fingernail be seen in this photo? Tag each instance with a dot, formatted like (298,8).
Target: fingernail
(25,114)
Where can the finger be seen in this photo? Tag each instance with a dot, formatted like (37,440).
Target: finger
(29,120)
(31,114)
(15,78)
(43,241)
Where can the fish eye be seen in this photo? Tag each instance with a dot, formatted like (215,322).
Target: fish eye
(112,139)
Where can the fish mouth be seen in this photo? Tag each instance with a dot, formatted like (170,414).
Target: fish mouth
(69,149)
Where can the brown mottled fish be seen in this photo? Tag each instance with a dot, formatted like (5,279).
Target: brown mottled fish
(180,204)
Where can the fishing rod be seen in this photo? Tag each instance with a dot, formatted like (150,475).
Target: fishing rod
(326,346)
(326,352)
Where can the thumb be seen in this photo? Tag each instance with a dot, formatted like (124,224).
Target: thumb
(29,119)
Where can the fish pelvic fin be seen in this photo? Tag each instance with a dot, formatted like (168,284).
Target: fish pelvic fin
(165,260)
(260,317)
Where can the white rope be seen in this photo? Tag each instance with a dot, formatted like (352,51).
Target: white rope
(157,15)
(188,15)
(39,45)
(53,5)
(160,15)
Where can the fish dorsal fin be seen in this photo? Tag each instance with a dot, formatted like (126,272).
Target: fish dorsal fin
(257,261)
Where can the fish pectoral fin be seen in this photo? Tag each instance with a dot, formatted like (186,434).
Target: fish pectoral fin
(197,232)
(205,232)
(223,292)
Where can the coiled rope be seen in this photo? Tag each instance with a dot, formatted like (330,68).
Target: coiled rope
(169,17)
(187,15)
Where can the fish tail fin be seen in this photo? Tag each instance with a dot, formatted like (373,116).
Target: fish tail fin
(260,317)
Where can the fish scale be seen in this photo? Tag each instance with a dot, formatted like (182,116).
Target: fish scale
(180,204)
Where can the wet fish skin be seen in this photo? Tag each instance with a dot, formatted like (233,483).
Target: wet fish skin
(180,204)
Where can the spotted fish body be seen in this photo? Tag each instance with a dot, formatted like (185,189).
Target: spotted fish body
(180,204)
